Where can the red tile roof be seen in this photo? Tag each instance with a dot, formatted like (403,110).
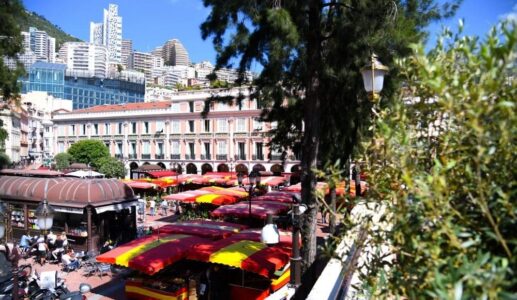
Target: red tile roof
(124,107)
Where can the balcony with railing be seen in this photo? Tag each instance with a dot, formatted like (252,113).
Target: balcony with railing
(159,156)
(276,156)
(241,156)
(146,156)
(221,156)
(206,156)
(192,156)
(258,157)
(132,156)
(175,156)
(118,155)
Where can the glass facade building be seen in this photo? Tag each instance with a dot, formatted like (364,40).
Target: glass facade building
(86,92)
(83,91)
(45,77)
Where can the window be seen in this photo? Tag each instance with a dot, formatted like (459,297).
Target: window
(107,128)
(207,125)
(145,147)
(191,126)
(82,129)
(133,127)
(191,106)
(132,150)
(146,127)
(175,147)
(240,125)
(61,147)
(175,126)
(222,125)
(242,151)
(191,147)
(257,125)
(258,151)
(175,107)
(221,147)
(207,150)
(96,129)
(71,130)
(120,127)
(159,126)
(118,151)
(61,130)
(159,150)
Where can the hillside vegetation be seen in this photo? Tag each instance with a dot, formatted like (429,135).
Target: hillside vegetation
(38,21)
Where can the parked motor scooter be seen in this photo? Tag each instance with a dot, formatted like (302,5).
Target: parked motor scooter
(47,285)
(7,285)
(77,295)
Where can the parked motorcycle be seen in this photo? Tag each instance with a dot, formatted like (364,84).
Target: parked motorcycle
(46,286)
(7,285)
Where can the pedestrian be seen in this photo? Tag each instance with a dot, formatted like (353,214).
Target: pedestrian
(42,250)
(51,239)
(165,206)
(152,206)
(69,261)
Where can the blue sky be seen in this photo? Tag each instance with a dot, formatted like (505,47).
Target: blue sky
(152,22)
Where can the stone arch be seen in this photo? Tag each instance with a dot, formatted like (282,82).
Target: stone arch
(296,168)
(258,168)
(241,168)
(191,168)
(146,163)
(161,165)
(206,168)
(133,165)
(223,168)
(277,169)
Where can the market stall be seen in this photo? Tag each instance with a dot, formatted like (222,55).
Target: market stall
(89,211)
(259,209)
(203,228)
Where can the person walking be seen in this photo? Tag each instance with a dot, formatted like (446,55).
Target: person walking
(42,250)
(165,205)
(152,206)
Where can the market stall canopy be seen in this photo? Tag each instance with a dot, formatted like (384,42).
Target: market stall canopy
(188,196)
(286,239)
(277,196)
(247,255)
(85,174)
(143,185)
(203,228)
(201,196)
(259,209)
(68,194)
(162,173)
(152,253)
(163,182)
(35,173)
(241,194)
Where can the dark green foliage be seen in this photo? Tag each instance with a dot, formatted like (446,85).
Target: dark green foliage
(63,160)
(89,152)
(311,52)
(10,44)
(34,20)
(111,167)
(5,161)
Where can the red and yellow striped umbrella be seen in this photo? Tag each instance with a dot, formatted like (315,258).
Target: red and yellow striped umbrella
(247,255)
(152,253)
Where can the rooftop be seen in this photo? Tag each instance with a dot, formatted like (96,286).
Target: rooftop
(124,107)
(47,65)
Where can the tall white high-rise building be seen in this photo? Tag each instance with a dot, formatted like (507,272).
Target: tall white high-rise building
(96,33)
(85,59)
(39,43)
(112,33)
(51,49)
(127,49)
(143,62)
(109,34)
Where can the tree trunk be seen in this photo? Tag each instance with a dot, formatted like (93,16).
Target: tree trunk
(332,219)
(311,140)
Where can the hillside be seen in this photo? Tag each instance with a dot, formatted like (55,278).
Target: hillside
(35,20)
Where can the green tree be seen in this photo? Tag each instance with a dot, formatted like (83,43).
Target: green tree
(111,167)
(10,46)
(311,52)
(444,159)
(63,160)
(5,161)
(89,152)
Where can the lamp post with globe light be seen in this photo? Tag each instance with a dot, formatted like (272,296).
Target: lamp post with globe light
(253,182)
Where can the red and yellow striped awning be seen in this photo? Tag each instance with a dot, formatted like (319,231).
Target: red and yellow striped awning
(151,253)
(247,255)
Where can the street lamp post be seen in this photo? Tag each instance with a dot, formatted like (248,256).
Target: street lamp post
(254,181)
(373,77)
(271,236)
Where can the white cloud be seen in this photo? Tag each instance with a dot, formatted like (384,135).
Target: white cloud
(511,16)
